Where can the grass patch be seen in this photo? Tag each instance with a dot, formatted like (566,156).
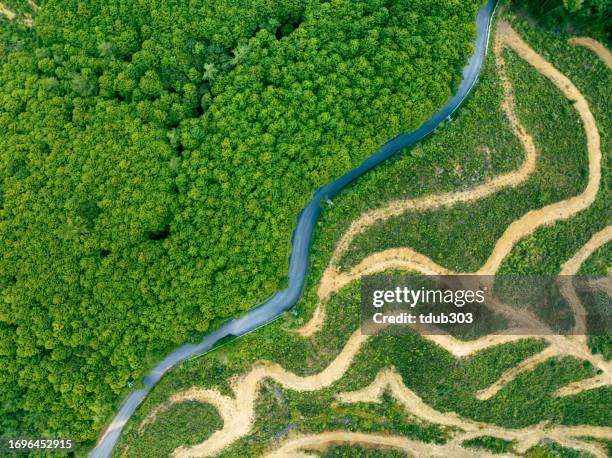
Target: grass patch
(490,443)
(346,451)
(548,449)
(185,423)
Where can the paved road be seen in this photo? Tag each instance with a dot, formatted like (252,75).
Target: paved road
(298,262)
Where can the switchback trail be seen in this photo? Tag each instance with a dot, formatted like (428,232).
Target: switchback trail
(406,258)
(388,380)
(298,262)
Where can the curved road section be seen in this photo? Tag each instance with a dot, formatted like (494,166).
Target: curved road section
(298,262)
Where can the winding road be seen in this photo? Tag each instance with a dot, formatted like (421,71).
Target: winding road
(302,235)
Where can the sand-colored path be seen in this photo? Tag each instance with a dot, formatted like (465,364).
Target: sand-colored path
(598,48)
(398,207)
(10,14)
(237,411)
(511,374)
(572,266)
(238,415)
(569,207)
(406,258)
(575,345)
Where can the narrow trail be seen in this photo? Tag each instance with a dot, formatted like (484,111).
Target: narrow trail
(333,280)
(511,374)
(34,6)
(237,411)
(408,259)
(284,299)
(575,345)
(293,448)
(598,48)
(561,210)
(572,266)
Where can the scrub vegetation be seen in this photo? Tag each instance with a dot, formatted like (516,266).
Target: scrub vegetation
(360,452)
(154,158)
(593,17)
(492,444)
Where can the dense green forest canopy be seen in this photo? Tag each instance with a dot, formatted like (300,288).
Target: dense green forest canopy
(154,156)
(590,17)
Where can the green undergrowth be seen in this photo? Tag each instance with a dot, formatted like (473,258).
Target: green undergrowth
(184,424)
(599,263)
(490,443)
(545,251)
(582,17)
(549,449)
(346,451)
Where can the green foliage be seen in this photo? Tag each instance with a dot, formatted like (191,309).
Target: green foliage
(14,37)
(445,383)
(560,174)
(154,157)
(602,345)
(441,380)
(549,449)
(599,263)
(183,424)
(547,248)
(591,17)
(383,417)
(490,443)
(346,451)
